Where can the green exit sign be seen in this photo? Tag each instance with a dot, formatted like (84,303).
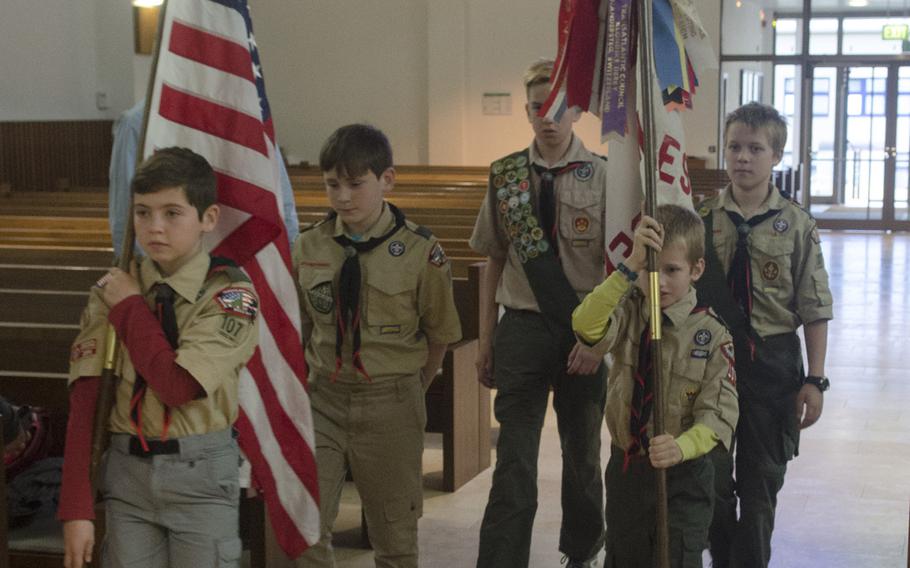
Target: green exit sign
(896,31)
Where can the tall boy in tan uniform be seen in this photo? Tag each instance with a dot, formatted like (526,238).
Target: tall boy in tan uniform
(541,227)
(698,388)
(378,314)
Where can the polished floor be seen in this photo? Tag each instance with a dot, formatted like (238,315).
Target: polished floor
(846,499)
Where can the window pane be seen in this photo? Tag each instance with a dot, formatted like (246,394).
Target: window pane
(823,36)
(788,36)
(864,36)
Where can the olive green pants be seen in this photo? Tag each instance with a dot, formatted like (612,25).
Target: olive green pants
(528,361)
(376,429)
(767,437)
(632,510)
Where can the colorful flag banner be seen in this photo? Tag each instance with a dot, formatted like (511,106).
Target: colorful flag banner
(209,95)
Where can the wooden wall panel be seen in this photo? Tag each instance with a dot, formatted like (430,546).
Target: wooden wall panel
(55,155)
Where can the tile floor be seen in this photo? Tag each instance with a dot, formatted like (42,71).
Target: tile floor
(846,499)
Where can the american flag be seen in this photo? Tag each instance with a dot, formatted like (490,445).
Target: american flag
(209,95)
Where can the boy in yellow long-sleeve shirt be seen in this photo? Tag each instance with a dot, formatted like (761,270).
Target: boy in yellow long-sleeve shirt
(699,392)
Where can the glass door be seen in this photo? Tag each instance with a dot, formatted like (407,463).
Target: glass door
(858,163)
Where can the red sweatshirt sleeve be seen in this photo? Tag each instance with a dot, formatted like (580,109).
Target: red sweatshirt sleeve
(76,499)
(151,354)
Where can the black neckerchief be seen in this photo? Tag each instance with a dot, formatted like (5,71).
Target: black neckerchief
(347,312)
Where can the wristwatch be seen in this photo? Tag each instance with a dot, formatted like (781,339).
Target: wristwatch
(821,383)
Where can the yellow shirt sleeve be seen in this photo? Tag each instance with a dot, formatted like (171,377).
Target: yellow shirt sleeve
(696,441)
(590,318)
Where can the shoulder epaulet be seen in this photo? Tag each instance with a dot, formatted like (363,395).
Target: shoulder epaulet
(318,223)
(223,265)
(602,157)
(709,311)
(424,232)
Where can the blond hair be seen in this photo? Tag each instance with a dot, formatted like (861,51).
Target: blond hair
(538,73)
(684,225)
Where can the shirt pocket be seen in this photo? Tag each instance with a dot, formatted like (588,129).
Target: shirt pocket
(391,299)
(319,294)
(685,386)
(772,265)
(580,222)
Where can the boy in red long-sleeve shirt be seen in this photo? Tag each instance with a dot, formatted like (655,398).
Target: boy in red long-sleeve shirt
(187,325)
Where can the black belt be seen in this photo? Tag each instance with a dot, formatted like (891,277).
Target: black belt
(156,447)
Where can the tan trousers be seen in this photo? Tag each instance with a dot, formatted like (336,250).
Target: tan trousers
(376,429)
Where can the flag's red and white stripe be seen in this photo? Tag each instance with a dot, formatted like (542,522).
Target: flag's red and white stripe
(208,96)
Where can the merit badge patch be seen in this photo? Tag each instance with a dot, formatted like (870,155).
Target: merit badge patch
(582,224)
(770,271)
(321,297)
(437,255)
(584,172)
(702,337)
(699,354)
(704,212)
(84,349)
(396,248)
(691,394)
(781,225)
(238,301)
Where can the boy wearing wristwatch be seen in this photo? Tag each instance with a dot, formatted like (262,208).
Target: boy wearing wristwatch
(766,277)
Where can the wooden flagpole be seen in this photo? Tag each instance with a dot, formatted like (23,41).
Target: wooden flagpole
(108,384)
(645,63)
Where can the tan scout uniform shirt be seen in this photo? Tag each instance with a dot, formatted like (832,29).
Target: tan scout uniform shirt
(406,299)
(214,345)
(699,383)
(789,279)
(580,215)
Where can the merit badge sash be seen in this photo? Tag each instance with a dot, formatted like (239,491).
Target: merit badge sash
(510,178)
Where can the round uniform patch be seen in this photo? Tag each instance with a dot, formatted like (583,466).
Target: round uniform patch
(513,202)
(510,163)
(321,297)
(503,206)
(582,224)
(536,233)
(584,172)
(524,185)
(770,271)
(524,197)
(523,173)
(521,160)
(513,189)
(502,193)
(781,225)
(511,176)
(702,337)
(396,248)
(497,168)
(499,181)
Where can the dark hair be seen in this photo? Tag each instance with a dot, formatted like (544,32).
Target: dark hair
(757,115)
(178,167)
(354,149)
(683,224)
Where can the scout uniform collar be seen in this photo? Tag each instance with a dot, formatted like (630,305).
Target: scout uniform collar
(347,310)
(380,227)
(186,282)
(678,312)
(572,154)
(774,201)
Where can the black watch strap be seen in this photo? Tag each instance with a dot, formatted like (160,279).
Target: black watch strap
(822,383)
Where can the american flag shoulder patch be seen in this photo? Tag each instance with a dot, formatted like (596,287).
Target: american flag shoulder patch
(238,301)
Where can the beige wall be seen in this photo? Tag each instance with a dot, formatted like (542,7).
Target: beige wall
(418,69)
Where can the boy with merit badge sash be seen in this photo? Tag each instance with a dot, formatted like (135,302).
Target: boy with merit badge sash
(541,227)
(765,277)
(187,323)
(699,393)
(378,314)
